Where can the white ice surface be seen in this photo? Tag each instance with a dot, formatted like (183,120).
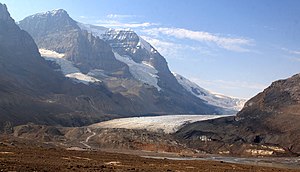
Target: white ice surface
(140,71)
(67,67)
(167,123)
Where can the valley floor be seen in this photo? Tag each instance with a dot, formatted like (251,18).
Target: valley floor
(21,156)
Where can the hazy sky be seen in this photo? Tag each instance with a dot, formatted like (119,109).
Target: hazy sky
(233,47)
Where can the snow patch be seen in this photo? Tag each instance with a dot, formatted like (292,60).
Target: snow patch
(141,71)
(82,78)
(167,123)
(67,67)
(211,98)
(50,54)
(147,64)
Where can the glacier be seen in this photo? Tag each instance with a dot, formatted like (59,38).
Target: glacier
(143,72)
(166,123)
(66,67)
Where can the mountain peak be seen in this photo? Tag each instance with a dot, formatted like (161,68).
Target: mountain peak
(4,14)
(57,12)
(53,21)
(52,13)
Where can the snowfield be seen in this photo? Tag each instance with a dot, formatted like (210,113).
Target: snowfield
(166,124)
(143,72)
(67,67)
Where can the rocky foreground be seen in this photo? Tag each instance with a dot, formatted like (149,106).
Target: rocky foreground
(22,155)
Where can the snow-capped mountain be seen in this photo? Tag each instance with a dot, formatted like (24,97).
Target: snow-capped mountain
(211,98)
(125,43)
(54,92)
(130,41)
(127,39)
(120,59)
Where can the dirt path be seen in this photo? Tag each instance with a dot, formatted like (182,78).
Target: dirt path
(85,143)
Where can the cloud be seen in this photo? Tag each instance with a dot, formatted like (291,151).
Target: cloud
(228,43)
(164,47)
(294,52)
(295,59)
(83,17)
(292,55)
(120,16)
(173,50)
(269,28)
(118,24)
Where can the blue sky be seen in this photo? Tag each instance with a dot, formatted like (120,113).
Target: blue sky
(233,47)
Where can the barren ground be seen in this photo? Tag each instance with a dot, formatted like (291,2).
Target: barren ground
(26,157)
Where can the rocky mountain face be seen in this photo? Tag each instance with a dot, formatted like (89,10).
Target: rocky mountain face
(267,125)
(55,30)
(228,103)
(121,59)
(276,111)
(31,91)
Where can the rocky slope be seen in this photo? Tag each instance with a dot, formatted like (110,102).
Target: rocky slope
(31,91)
(125,63)
(267,125)
(86,138)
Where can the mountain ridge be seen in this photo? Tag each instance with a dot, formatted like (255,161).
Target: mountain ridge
(104,33)
(142,75)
